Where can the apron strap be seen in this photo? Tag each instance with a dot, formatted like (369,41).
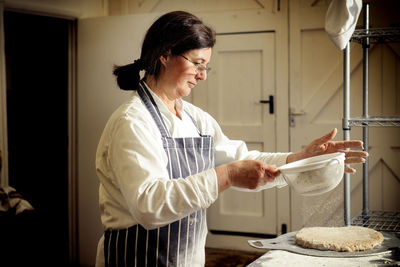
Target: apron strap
(151,105)
(194,122)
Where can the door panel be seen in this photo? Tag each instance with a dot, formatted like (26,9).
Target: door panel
(243,75)
(233,89)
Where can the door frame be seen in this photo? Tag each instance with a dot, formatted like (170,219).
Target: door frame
(73,143)
(3,105)
(72,118)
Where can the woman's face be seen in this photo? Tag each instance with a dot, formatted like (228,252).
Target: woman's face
(182,72)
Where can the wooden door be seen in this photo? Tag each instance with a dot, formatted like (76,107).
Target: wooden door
(248,65)
(316,104)
(244,74)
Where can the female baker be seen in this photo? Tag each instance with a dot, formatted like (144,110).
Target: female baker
(162,162)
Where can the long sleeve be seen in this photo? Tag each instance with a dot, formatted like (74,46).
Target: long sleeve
(227,150)
(135,185)
(131,164)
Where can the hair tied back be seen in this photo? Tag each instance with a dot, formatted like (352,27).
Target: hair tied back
(139,64)
(128,76)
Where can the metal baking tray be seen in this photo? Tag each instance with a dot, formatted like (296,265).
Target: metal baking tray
(287,242)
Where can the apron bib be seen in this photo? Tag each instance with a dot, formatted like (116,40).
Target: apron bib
(175,244)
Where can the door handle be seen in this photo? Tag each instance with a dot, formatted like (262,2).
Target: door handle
(292,115)
(270,101)
(301,113)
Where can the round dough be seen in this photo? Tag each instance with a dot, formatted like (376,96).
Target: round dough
(348,238)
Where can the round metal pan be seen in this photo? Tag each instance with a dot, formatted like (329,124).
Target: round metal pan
(287,242)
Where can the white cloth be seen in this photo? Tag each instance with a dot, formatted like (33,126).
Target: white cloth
(11,202)
(341,20)
(131,165)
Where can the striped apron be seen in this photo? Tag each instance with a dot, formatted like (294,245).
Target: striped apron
(178,243)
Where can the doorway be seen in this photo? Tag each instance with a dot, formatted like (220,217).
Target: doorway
(36,53)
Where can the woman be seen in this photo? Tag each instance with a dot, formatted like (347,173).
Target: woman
(162,162)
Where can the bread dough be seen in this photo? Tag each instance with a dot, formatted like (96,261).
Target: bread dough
(349,238)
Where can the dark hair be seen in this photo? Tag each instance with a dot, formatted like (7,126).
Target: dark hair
(178,32)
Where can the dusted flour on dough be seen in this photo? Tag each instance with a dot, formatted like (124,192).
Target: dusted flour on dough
(349,238)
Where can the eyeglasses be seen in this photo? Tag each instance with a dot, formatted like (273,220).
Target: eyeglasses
(199,67)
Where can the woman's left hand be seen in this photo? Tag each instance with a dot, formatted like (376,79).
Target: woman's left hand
(325,145)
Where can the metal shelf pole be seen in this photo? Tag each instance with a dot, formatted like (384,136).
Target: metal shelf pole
(378,220)
(365,109)
(346,128)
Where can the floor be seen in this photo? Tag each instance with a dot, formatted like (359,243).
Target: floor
(229,258)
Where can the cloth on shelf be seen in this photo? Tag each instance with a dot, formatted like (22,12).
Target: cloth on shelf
(12,202)
(18,230)
(341,20)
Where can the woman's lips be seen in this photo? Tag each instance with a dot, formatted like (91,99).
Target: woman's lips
(191,84)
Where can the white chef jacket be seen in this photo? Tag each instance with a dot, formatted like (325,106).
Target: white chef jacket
(135,187)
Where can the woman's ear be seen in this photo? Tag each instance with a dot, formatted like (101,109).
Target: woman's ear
(163,60)
(165,57)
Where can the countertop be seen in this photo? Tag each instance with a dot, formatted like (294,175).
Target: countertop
(284,258)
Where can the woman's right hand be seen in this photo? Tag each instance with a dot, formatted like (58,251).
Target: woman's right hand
(248,174)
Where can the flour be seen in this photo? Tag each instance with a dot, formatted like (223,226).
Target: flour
(322,210)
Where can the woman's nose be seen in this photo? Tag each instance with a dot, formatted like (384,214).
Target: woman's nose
(201,75)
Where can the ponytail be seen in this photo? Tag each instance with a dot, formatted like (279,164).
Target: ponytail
(128,76)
